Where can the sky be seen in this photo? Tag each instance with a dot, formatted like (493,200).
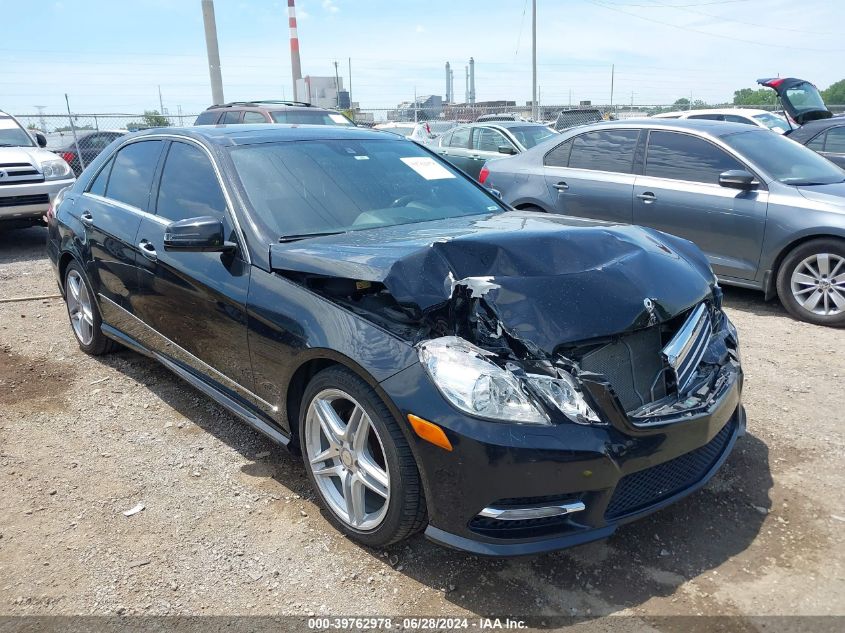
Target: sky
(113,55)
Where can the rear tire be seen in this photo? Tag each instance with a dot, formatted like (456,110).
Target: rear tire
(811,282)
(84,314)
(358,460)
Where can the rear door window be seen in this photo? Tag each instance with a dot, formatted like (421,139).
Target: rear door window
(254,117)
(209,117)
(559,156)
(685,157)
(735,118)
(835,142)
(132,173)
(708,117)
(607,150)
(231,117)
(817,144)
(98,187)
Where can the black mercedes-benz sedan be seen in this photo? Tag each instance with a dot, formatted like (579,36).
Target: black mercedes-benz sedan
(512,382)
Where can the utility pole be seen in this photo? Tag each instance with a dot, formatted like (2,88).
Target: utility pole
(350,83)
(160,102)
(612,77)
(41,118)
(212,51)
(336,86)
(73,129)
(534,112)
(179,110)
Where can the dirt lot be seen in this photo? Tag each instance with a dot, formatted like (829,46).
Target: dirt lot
(230,525)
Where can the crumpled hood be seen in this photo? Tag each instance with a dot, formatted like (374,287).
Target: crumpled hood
(551,279)
(32,155)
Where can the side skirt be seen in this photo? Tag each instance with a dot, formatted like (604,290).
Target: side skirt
(237,409)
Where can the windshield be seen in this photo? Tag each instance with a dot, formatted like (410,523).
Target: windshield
(805,97)
(530,135)
(310,117)
(785,160)
(772,122)
(325,186)
(12,134)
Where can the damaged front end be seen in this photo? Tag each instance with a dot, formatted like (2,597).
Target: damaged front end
(540,320)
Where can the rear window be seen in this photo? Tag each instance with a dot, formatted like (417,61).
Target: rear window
(320,186)
(531,135)
(310,117)
(207,118)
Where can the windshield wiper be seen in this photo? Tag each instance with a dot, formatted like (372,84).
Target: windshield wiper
(304,236)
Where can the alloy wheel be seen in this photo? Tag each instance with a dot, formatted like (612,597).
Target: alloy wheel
(79,308)
(818,284)
(347,458)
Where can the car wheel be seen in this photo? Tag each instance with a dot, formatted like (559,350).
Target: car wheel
(84,314)
(811,282)
(359,461)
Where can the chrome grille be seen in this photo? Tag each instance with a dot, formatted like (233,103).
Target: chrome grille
(687,347)
(19,173)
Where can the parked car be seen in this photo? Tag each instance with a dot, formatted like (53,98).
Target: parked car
(578,116)
(470,146)
(825,136)
(294,112)
(760,118)
(501,116)
(768,212)
(801,100)
(424,132)
(91,143)
(513,382)
(30,176)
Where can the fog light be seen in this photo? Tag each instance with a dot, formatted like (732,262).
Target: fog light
(531,512)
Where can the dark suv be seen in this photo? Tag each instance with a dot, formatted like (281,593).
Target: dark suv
(296,112)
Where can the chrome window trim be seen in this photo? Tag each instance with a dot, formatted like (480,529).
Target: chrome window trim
(127,207)
(230,207)
(223,378)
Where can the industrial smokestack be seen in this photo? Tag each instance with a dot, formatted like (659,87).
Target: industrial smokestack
(466,88)
(213,51)
(295,64)
(452,85)
(448,86)
(472,80)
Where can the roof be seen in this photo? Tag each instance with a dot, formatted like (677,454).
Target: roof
(240,134)
(811,128)
(261,104)
(707,126)
(748,111)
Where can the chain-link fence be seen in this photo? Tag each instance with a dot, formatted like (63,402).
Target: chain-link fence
(368,117)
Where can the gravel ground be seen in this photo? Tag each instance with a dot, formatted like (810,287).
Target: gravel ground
(230,526)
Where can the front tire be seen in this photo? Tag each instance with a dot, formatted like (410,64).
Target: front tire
(358,460)
(85,319)
(811,282)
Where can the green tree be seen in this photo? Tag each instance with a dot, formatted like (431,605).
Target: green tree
(682,103)
(751,97)
(152,118)
(835,93)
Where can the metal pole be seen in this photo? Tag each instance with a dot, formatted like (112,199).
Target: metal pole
(73,129)
(213,51)
(415,105)
(350,83)
(160,102)
(336,86)
(612,77)
(534,113)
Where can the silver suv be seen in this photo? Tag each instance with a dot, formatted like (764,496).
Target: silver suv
(30,176)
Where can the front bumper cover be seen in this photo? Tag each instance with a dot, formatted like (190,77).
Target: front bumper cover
(494,463)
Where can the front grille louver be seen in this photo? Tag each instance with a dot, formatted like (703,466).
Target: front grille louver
(686,349)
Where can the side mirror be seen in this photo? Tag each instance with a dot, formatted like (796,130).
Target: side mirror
(496,193)
(738,179)
(40,139)
(507,149)
(196,235)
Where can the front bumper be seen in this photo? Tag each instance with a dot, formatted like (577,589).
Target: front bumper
(619,472)
(29,200)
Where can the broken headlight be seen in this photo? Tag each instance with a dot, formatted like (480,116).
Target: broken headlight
(475,385)
(563,393)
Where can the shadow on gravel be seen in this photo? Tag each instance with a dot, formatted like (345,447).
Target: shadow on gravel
(649,558)
(752,301)
(23,245)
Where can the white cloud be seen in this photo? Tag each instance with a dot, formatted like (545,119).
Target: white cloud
(330,6)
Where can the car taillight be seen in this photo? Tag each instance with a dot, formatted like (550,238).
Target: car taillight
(482,175)
(68,157)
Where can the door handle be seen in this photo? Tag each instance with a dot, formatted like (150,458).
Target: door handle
(561,186)
(647,196)
(86,218)
(148,250)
